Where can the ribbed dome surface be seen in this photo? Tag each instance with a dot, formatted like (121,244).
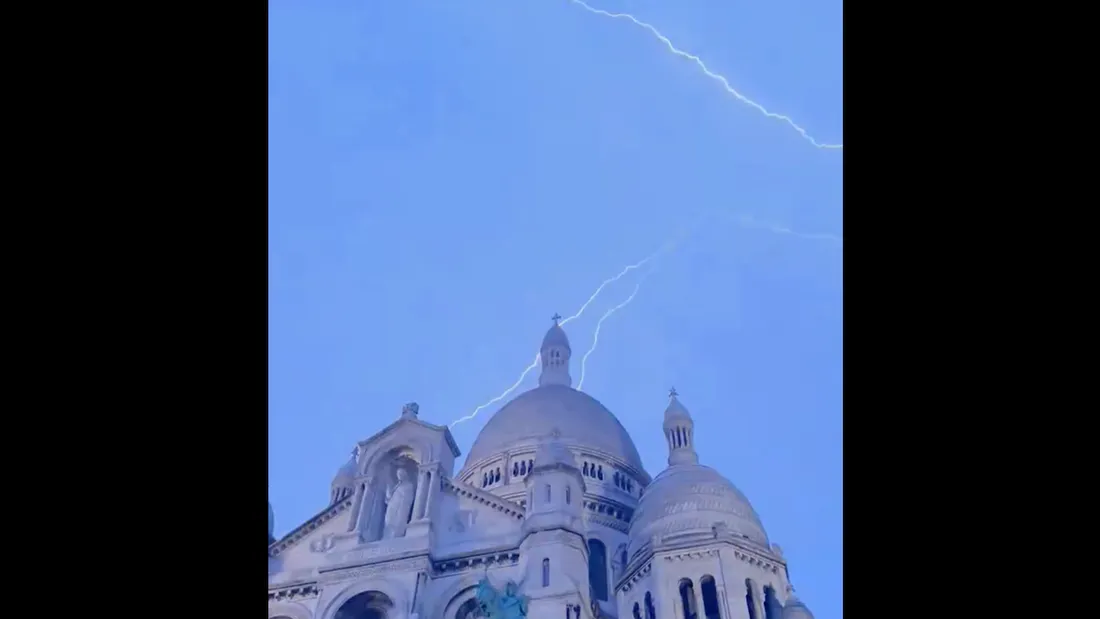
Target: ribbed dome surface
(693,497)
(581,420)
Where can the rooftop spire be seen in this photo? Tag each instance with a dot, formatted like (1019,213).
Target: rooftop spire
(679,432)
(555,353)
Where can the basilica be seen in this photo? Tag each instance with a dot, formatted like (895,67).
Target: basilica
(552,515)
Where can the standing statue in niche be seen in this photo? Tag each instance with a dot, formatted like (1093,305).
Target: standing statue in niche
(399,501)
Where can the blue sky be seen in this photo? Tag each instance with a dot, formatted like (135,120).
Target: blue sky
(444,176)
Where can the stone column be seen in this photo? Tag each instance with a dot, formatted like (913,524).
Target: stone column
(418,500)
(433,483)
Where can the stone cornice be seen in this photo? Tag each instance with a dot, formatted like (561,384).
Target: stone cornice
(475,561)
(416,420)
(296,592)
(295,536)
(693,548)
(631,578)
(501,505)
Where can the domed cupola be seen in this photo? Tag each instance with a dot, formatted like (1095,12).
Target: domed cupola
(343,485)
(517,430)
(794,608)
(689,497)
(554,354)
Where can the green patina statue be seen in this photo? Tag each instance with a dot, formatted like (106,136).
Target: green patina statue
(510,604)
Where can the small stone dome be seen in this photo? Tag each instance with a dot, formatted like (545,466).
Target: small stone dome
(794,608)
(555,337)
(689,497)
(693,497)
(344,482)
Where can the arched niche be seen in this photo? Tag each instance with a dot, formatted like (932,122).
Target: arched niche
(383,594)
(287,610)
(380,471)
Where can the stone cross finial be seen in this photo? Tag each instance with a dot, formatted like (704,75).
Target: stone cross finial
(410,410)
(556,317)
(672,393)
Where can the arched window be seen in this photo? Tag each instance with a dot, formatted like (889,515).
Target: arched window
(496,476)
(546,572)
(567,496)
(366,605)
(650,611)
(772,608)
(637,611)
(585,471)
(484,479)
(547,493)
(687,599)
(710,597)
(523,468)
(624,559)
(597,568)
(599,472)
(468,610)
(530,465)
(515,469)
(750,599)
(616,478)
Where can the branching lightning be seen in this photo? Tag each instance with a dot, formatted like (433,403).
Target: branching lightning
(745,220)
(714,76)
(667,247)
(596,335)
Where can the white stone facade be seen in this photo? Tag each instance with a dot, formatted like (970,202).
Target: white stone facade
(553,498)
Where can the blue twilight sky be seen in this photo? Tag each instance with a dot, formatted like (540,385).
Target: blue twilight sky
(445,175)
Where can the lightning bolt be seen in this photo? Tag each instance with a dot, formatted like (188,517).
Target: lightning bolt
(596,335)
(667,247)
(751,222)
(714,76)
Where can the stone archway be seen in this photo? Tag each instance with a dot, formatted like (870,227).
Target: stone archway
(287,610)
(366,605)
(376,598)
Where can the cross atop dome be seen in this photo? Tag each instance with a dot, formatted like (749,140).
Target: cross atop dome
(554,354)
(672,393)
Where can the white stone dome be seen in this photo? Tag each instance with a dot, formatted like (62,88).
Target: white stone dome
(581,420)
(795,609)
(693,498)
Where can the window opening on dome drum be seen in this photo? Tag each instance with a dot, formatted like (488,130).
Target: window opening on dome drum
(772,608)
(687,599)
(710,597)
(650,611)
(750,599)
(637,611)
(567,496)
(546,572)
(515,469)
(599,472)
(547,493)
